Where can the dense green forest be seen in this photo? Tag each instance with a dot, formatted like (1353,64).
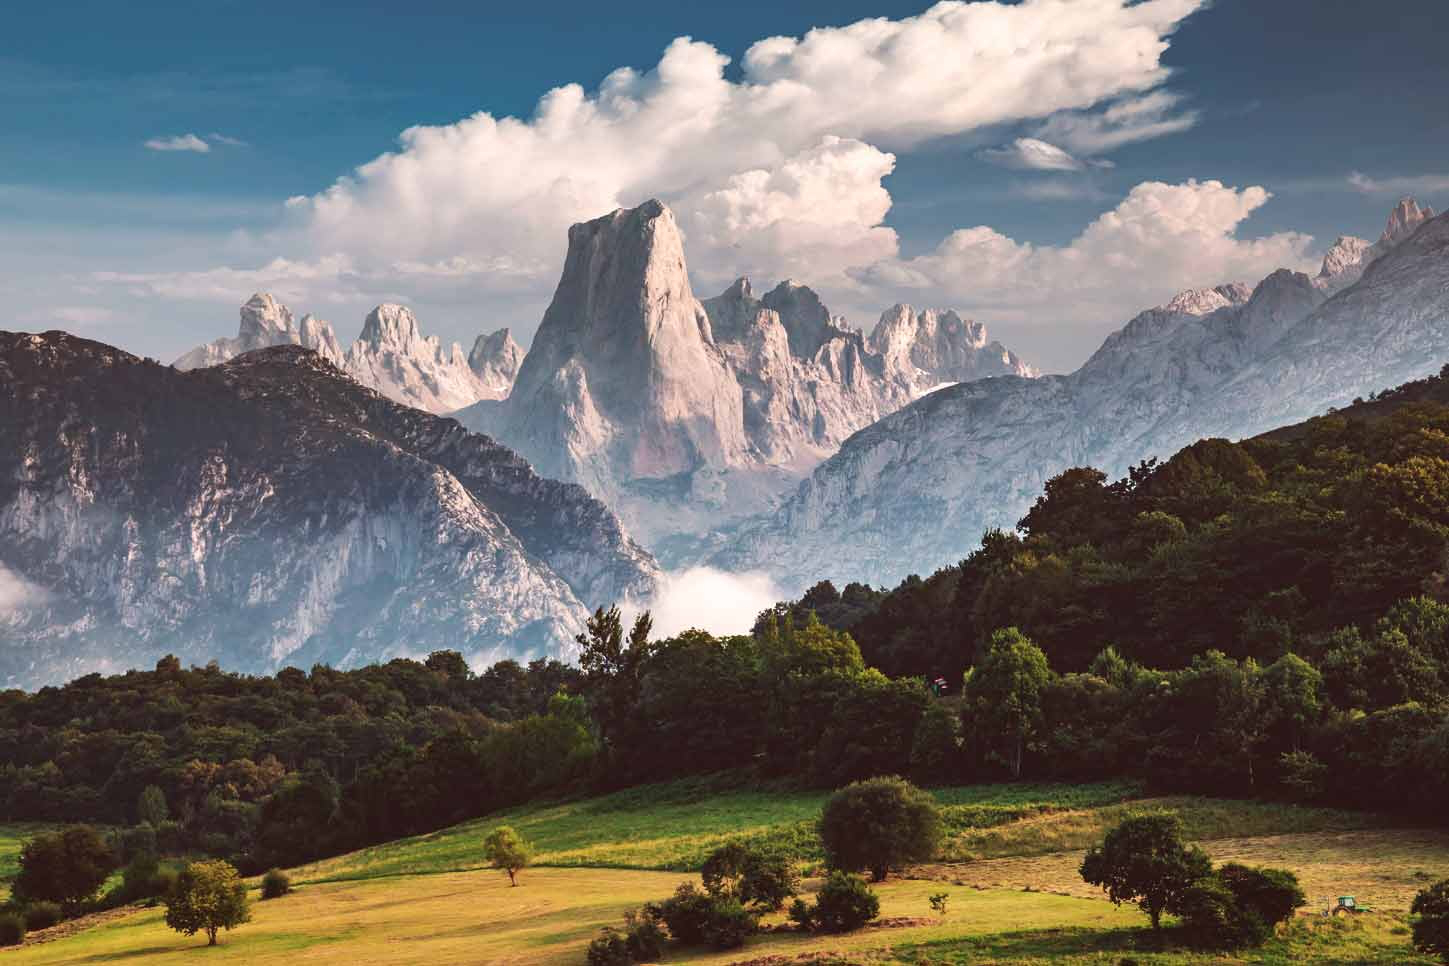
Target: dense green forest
(1264,618)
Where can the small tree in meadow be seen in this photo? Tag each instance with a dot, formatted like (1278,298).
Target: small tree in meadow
(879,824)
(1144,860)
(505,849)
(208,896)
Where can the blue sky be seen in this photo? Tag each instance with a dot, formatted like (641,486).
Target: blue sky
(154,249)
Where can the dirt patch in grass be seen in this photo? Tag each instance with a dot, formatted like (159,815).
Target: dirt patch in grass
(70,927)
(1382,868)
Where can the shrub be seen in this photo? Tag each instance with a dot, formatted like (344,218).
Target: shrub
(609,949)
(758,879)
(844,903)
(1238,906)
(802,914)
(729,924)
(642,935)
(878,824)
(505,849)
(42,915)
(208,896)
(1144,860)
(686,913)
(65,867)
(275,884)
(1272,895)
(12,929)
(1431,920)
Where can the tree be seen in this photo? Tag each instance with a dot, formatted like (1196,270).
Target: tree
(151,807)
(844,903)
(1431,920)
(1144,860)
(208,896)
(613,668)
(505,849)
(1003,694)
(879,824)
(757,879)
(66,866)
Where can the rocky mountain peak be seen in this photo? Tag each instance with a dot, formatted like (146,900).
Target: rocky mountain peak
(1343,255)
(391,325)
(495,360)
(1406,217)
(265,321)
(1201,301)
(806,319)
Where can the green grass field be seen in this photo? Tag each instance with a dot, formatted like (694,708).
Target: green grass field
(1014,894)
(673,826)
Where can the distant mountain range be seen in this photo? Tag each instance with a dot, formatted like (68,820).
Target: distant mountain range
(274,499)
(272,511)
(915,490)
(391,355)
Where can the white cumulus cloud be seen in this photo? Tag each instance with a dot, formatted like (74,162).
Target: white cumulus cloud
(1031,154)
(1161,239)
(179,142)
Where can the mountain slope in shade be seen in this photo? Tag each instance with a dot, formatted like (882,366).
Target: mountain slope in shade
(271,511)
(391,354)
(687,414)
(916,490)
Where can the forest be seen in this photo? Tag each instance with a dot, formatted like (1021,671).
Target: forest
(1263,619)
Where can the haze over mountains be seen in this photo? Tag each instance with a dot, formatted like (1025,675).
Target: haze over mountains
(267,504)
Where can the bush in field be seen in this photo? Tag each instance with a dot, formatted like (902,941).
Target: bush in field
(42,915)
(1238,906)
(879,824)
(729,924)
(65,867)
(643,936)
(697,918)
(757,879)
(505,849)
(1144,860)
(844,903)
(208,896)
(1431,920)
(609,949)
(275,884)
(12,929)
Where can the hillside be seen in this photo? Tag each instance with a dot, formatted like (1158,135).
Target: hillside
(419,900)
(272,511)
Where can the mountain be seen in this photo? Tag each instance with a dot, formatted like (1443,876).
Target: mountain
(271,511)
(391,354)
(686,414)
(916,490)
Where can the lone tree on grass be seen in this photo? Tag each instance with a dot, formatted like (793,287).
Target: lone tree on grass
(879,824)
(208,896)
(65,867)
(505,849)
(1144,860)
(1431,920)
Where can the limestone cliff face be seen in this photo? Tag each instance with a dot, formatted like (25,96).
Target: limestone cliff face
(686,415)
(271,511)
(916,490)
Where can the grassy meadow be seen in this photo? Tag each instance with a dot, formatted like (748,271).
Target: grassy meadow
(1009,867)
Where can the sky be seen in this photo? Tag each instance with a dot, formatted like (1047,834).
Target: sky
(1049,167)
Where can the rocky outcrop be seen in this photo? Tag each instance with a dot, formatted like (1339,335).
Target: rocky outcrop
(686,415)
(391,355)
(916,490)
(272,511)
(266,322)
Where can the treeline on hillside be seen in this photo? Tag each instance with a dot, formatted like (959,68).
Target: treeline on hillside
(1261,618)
